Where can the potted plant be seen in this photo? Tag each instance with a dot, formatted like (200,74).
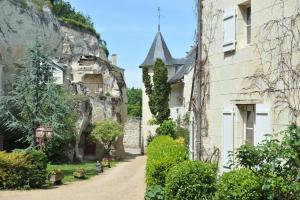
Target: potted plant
(79,173)
(56,176)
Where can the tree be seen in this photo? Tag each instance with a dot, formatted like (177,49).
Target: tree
(35,100)
(134,102)
(106,132)
(159,91)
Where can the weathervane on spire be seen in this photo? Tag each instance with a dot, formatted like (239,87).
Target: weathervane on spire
(158,19)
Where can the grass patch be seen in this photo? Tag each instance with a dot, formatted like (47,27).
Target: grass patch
(68,169)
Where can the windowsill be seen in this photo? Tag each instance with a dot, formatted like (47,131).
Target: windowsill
(245,46)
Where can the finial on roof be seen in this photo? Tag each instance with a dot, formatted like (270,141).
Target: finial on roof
(158,19)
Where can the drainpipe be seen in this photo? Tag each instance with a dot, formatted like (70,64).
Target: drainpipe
(198,95)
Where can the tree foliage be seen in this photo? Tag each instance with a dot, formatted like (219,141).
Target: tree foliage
(106,132)
(35,100)
(158,91)
(134,102)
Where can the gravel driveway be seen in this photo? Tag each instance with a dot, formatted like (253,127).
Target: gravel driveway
(126,181)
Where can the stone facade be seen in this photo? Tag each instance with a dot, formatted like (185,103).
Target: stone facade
(132,135)
(234,116)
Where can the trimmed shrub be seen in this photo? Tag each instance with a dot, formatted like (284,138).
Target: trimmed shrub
(168,127)
(22,169)
(154,192)
(191,180)
(163,154)
(240,184)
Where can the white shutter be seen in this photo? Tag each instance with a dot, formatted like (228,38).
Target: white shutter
(227,136)
(229,39)
(262,123)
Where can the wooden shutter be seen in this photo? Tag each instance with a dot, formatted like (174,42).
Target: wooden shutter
(229,29)
(262,123)
(227,136)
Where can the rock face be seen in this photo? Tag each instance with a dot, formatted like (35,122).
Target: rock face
(99,85)
(77,41)
(20,25)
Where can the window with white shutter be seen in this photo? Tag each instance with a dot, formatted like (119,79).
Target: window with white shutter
(262,126)
(229,26)
(227,136)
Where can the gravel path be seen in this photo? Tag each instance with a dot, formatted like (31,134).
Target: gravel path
(126,181)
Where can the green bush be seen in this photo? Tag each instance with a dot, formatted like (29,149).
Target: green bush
(168,127)
(154,192)
(163,154)
(191,180)
(277,162)
(240,184)
(22,169)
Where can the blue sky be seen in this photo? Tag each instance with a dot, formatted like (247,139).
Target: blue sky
(129,27)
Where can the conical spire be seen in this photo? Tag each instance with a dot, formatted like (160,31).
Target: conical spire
(160,50)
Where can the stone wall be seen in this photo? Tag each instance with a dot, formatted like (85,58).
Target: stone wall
(132,133)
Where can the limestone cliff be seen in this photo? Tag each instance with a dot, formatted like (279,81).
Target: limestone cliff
(20,25)
(78,51)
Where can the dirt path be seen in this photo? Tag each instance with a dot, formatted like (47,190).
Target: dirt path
(126,181)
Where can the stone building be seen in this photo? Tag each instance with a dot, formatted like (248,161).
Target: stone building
(240,42)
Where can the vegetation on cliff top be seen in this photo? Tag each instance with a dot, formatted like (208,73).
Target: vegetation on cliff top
(66,13)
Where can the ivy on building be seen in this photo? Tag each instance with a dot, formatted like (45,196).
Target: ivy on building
(158,91)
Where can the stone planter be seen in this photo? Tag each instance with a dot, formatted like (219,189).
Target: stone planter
(79,173)
(56,177)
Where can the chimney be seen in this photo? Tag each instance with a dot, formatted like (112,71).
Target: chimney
(114,59)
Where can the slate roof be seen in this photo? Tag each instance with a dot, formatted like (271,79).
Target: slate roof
(159,49)
(184,69)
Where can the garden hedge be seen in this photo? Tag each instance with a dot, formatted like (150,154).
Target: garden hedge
(191,180)
(163,154)
(22,170)
(240,184)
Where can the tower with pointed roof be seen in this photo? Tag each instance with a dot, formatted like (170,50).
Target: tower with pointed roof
(158,49)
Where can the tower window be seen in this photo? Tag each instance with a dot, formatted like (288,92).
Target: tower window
(248,24)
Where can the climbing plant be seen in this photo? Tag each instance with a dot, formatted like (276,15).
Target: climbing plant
(158,91)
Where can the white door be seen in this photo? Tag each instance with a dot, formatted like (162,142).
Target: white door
(262,126)
(227,136)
